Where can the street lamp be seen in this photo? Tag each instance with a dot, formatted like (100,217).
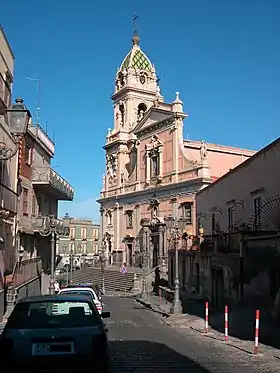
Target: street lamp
(145,254)
(176,226)
(49,225)
(102,259)
(18,118)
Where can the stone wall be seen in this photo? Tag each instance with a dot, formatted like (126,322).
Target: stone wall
(31,288)
(28,289)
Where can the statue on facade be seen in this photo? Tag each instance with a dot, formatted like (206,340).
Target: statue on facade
(124,176)
(140,115)
(203,151)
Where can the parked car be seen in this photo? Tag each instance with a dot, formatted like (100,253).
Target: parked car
(88,285)
(54,332)
(84,290)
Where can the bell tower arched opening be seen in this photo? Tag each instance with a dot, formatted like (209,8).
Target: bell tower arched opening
(141,110)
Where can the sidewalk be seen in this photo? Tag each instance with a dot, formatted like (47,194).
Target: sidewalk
(241,324)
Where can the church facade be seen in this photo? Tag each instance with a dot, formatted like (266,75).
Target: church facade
(151,171)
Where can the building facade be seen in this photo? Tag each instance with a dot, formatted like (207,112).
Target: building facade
(239,224)
(41,189)
(83,243)
(8,170)
(151,171)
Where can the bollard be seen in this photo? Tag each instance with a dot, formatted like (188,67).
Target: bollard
(256,345)
(206,317)
(226,323)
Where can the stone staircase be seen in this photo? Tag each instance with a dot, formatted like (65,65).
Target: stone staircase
(114,280)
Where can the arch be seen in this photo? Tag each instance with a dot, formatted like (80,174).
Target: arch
(268,215)
(121,79)
(141,110)
(122,112)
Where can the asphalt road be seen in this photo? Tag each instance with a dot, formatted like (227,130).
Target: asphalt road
(140,342)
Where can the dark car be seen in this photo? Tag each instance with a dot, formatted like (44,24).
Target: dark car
(54,332)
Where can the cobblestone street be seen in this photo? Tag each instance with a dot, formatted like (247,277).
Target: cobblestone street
(140,342)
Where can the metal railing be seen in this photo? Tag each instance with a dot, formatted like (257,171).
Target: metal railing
(26,270)
(45,174)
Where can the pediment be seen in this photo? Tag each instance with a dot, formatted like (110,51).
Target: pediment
(152,116)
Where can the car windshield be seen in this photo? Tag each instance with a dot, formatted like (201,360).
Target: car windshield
(53,314)
(79,292)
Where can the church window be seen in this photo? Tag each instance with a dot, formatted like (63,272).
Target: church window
(142,79)
(154,160)
(121,79)
(155,164)
(109,218)
(129,219)
(187,212)
(122,112)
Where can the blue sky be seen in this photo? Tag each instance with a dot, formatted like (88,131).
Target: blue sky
(222,56)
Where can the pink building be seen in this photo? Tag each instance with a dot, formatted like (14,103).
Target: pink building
(151,171)
(247,195)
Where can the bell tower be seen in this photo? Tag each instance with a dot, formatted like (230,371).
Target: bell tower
(136,88)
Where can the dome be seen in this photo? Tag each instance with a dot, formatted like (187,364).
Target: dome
(136,58)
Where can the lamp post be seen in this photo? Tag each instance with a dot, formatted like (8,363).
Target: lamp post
(145,254)
(18,118)
(49,225)
(176,226)
(102,259)
(72,256)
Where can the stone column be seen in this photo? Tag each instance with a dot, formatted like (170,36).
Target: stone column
(125,253)
(148,168)
(117,212)
(101,231)
(161,244)
(160,162)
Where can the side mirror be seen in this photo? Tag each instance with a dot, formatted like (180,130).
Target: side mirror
(105,315)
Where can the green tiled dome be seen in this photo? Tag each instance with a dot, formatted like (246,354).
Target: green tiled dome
(137,60)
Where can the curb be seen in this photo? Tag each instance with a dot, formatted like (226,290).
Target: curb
(232,343)
(152,307)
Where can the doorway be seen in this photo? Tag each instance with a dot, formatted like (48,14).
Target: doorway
(129,253)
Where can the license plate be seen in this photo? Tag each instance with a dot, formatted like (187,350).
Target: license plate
(40,349)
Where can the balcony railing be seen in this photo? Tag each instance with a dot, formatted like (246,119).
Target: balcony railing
(43,138)
(45,175)
(8,199)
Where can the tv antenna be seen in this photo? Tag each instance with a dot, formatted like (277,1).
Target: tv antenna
(38,95)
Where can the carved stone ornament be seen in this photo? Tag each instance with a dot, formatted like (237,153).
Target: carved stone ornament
(111,165)
(124,176)
(154,144)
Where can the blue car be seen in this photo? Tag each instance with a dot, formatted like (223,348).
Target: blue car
(55,332)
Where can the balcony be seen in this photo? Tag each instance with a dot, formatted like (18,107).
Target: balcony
(8,201)
(41,137)
(45,179)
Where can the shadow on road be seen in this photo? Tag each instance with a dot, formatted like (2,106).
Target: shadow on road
(144,356)
(241,320)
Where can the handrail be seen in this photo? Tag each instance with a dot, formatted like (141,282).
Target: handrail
(26,270)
